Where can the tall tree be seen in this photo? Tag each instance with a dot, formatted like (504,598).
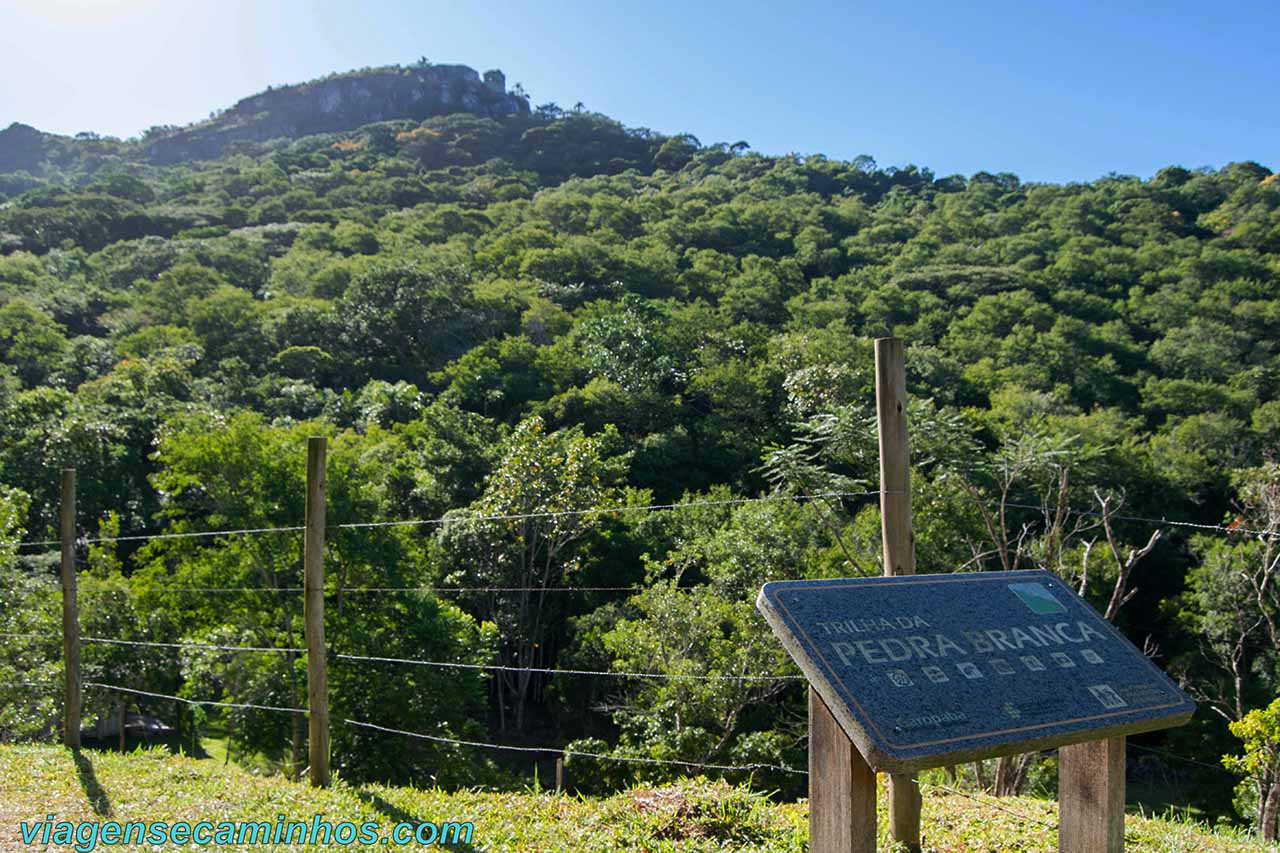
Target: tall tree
(545,494)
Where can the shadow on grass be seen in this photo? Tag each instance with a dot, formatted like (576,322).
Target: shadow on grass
(98,799)
(398,815)
(176,744)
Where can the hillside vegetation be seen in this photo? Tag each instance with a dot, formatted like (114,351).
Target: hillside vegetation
(695,815)
(517,321)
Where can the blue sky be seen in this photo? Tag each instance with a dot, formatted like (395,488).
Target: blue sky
(1051,91)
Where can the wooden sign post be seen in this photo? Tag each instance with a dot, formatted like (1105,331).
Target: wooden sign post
(1091,796)
(839,795)
(898,540)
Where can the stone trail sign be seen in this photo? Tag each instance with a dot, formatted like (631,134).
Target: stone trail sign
(930,670)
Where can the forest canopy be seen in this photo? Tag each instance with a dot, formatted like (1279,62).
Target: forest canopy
(544,314)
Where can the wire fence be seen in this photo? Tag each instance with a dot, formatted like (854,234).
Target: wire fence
(463,517)
(116,688)
(191,645)
(989,801)
(661,676)
(29,636)
(540,750)
(665,676)
(569,753)
(1173,756)
(370,590)
(1232,529)
(980,797)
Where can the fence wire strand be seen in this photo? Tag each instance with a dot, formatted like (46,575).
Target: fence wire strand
(661,676)
(245,705)
(460,518)
(545,750)
(464,590)
(201,646)
(990,802)
(1158,522)
(463,517)
(664,676)
(356,590)
(1174,756)
(727,768)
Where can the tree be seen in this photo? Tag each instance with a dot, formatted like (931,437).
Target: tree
(676,152)
(223,471)
(30,653)
(168,298)
(1259,732)
(1233,604)
(705,630)
(30,341)
(725,691)
(229,325)
(402,320)
(518,539)
(1010,507)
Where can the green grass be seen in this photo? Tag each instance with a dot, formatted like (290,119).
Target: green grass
(692,816)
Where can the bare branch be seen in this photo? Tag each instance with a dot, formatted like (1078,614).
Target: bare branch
(1120,592)
(997,536)
(1084,566)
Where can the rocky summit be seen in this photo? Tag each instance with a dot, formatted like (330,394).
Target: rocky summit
(343,102)
(337,102)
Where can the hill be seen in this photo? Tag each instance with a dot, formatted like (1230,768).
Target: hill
(341,102)
(657,354)
(692,816)
(334,103)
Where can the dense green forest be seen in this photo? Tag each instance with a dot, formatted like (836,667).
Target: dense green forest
(544,313)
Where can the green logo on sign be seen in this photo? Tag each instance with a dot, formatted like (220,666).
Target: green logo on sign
(1036,597)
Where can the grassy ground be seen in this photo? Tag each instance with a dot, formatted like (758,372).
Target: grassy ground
(695,816)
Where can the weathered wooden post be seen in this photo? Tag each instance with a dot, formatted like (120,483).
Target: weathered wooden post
(70,613)
(842,787)
(895,458)
(1091,796)
(559,773)
(313,613)
(898,540)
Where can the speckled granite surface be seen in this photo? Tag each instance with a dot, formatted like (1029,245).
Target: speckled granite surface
(936,669)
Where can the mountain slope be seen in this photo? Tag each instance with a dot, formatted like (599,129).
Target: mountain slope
(342,102)
(334,103)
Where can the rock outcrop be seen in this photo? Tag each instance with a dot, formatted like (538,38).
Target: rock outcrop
(335,103)
(342,102)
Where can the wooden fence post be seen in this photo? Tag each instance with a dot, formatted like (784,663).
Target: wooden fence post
(899,541)
(559,773)
(313,613)
(1091,797)
(70,613)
